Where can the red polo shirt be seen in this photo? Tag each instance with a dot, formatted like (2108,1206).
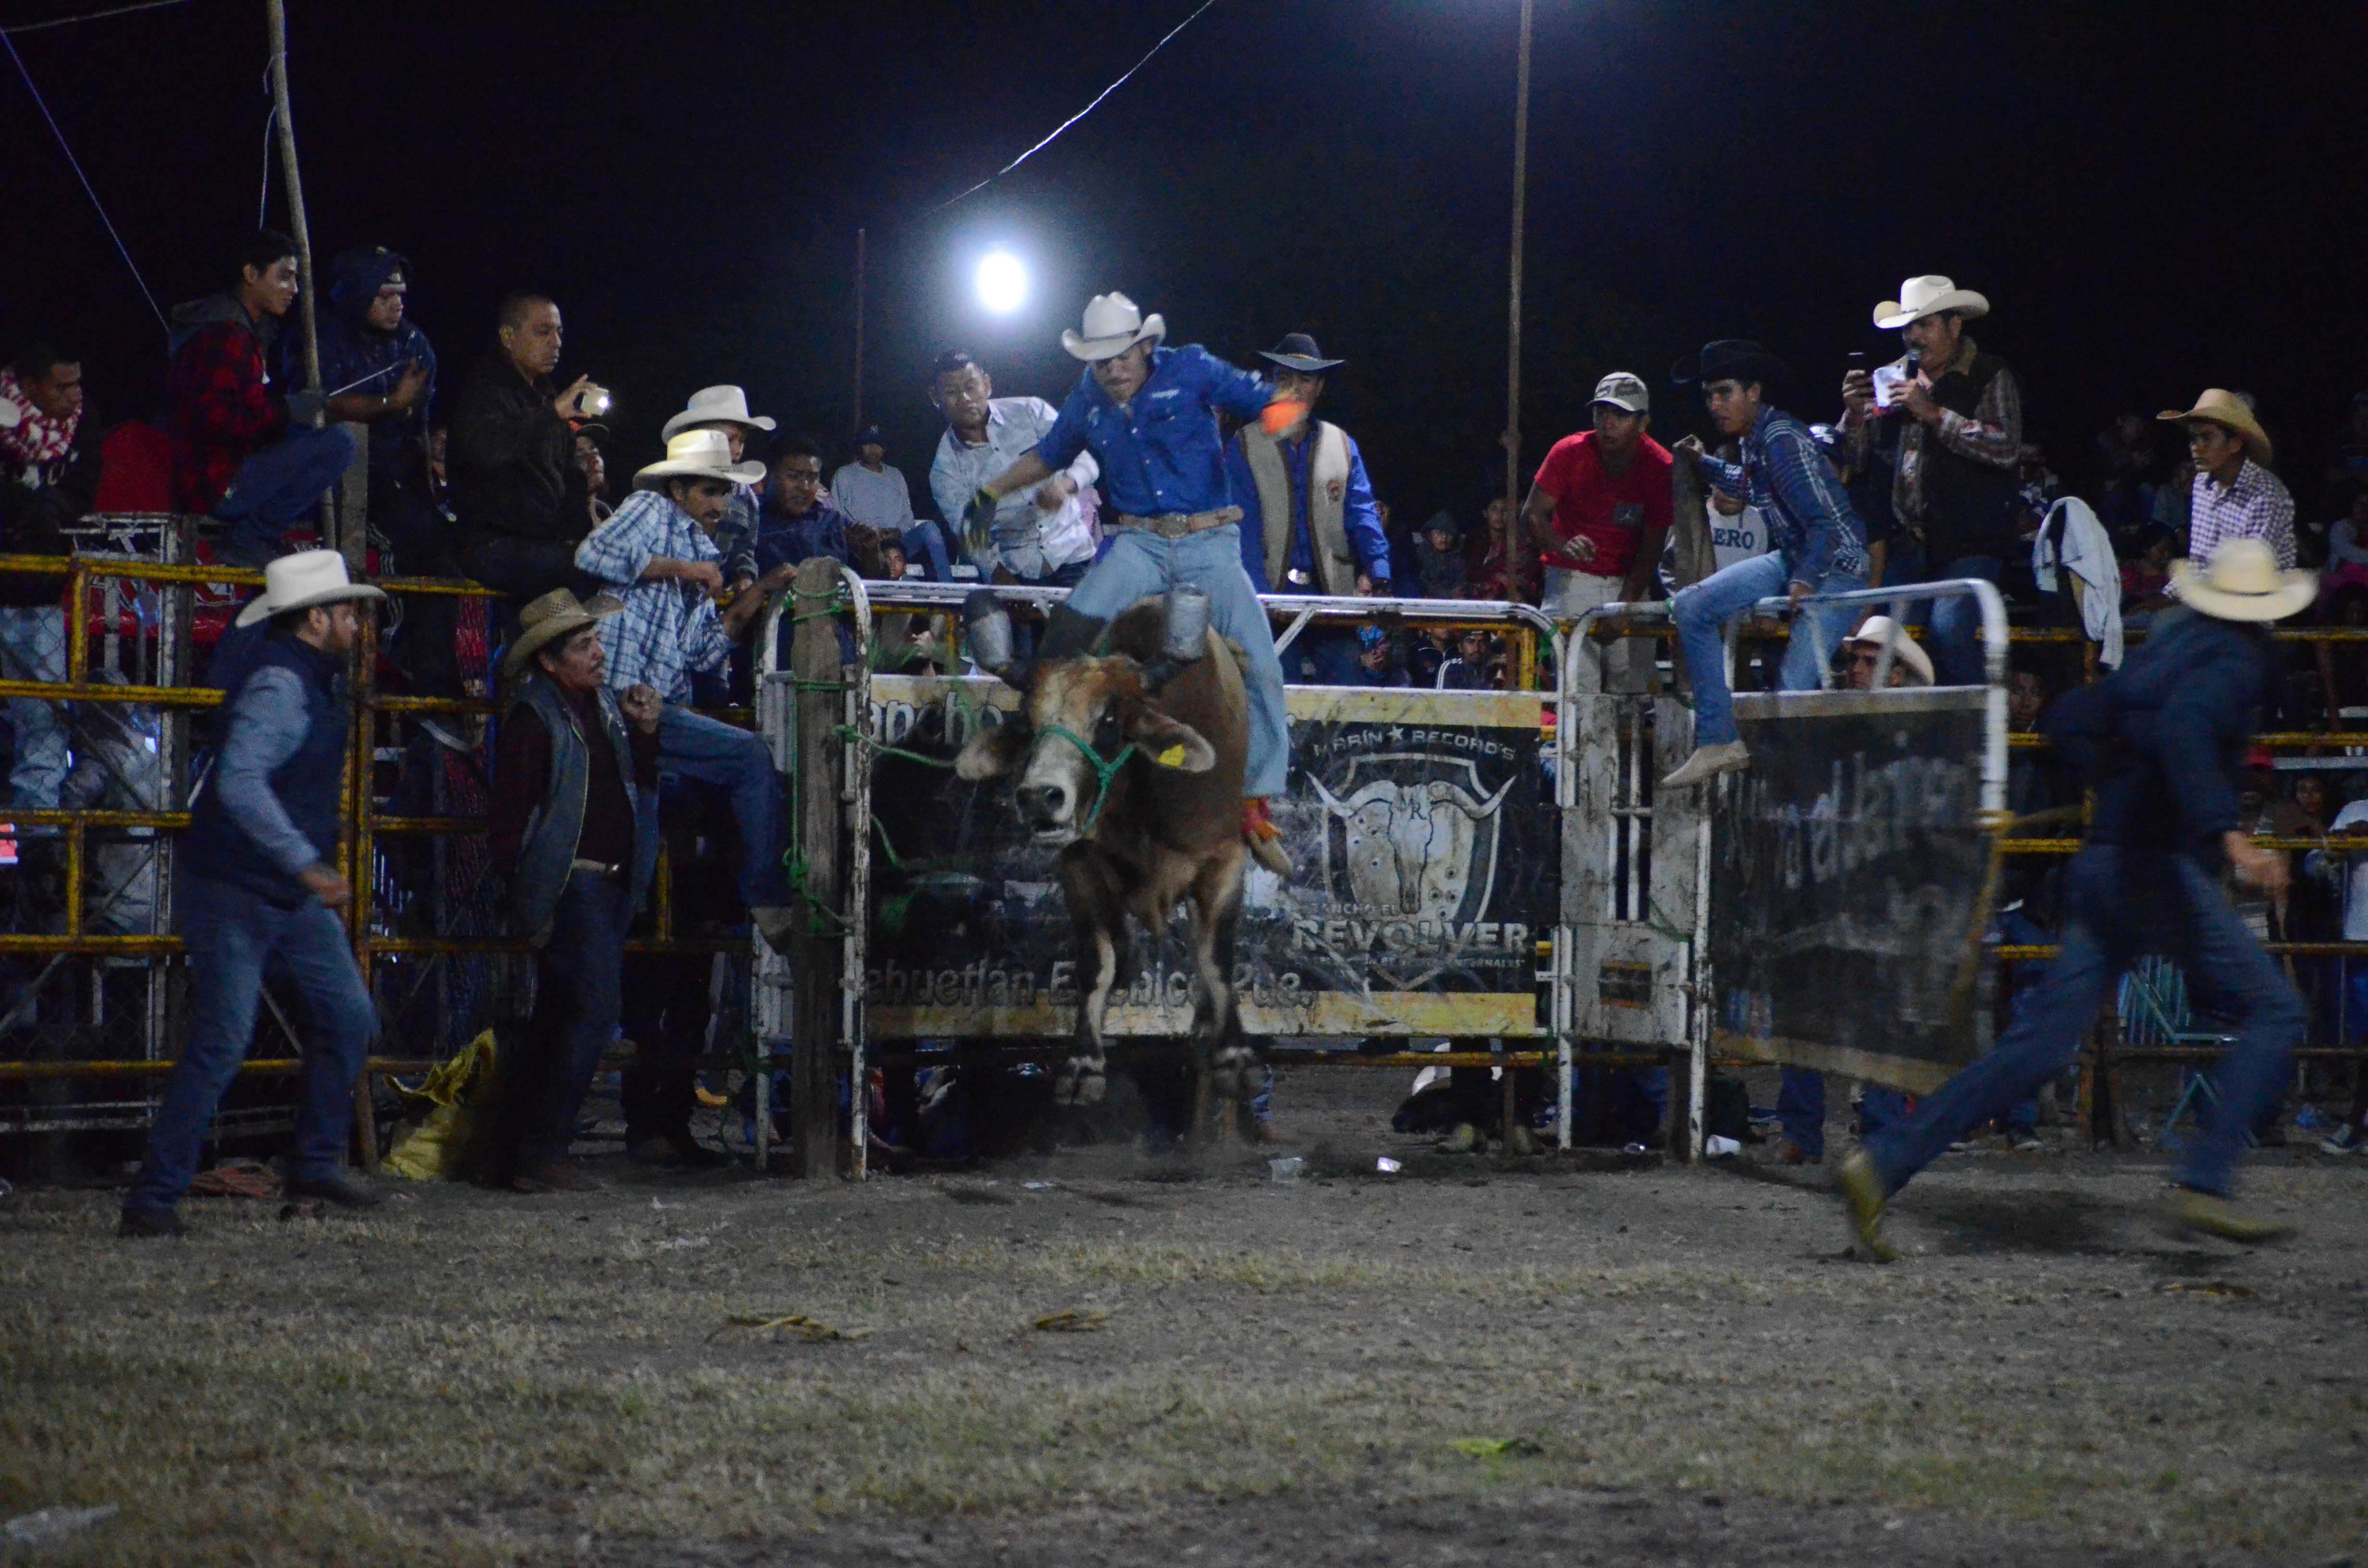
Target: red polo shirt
(1615,514)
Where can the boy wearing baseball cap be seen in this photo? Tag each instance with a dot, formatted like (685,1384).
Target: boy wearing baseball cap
(1597,513)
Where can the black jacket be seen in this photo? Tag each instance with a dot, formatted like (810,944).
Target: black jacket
(512,459)
(2162,740)
(31,519)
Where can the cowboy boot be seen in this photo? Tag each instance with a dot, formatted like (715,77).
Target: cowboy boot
(1264,838)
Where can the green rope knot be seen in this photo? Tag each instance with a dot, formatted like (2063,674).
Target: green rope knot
(1103,771)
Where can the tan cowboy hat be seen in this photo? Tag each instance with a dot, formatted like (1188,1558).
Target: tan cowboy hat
(2227,410)
(300,581)
(1880,630)
(2243,583)
(699,454)
(1929,296)
(1113,324)
(547,619)
(716,405)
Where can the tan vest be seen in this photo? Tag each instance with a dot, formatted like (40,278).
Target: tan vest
(1327,496)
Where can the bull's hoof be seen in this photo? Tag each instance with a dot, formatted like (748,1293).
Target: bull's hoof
(1079,1082)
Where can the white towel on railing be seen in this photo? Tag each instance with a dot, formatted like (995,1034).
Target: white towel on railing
(2073,538)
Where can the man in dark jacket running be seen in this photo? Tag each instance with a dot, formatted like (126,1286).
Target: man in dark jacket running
(2162,741)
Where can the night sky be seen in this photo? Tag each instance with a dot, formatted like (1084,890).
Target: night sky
(2154,198)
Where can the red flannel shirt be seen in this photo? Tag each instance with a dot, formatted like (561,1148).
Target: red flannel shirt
(219,411)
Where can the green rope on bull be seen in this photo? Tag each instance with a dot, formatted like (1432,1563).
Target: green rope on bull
(1103,771)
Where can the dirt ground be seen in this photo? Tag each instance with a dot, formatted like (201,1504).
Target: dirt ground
(1459,1363)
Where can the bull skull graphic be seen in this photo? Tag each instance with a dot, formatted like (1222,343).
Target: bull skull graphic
(1418,848)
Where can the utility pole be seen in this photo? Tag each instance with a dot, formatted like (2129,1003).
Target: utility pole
(1513,331)
(857,425)
(276,17)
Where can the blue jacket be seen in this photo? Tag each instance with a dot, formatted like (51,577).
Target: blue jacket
(1162,453)
(352,351)
(1360,516)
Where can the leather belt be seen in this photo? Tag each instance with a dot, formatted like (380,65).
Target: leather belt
(597,868)
(1177,525)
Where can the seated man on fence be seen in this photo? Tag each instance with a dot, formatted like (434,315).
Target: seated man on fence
(49,477)
(574,826)
(658,555)
(243,450)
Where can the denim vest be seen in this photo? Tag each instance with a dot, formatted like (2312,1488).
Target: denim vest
(310,785)
(547,852)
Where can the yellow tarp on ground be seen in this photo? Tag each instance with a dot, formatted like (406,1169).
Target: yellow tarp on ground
(461,1091)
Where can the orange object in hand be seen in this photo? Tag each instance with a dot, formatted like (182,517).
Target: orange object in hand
(1281,415)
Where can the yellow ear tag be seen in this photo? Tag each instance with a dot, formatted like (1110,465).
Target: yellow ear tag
(1173,756)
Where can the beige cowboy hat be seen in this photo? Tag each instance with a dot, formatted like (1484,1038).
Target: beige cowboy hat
(699,454)
(300,581)
(1879,632)
(2227,410)
(716,405)
(1113,324)
(1929,296)
(547,619)
(2243,583)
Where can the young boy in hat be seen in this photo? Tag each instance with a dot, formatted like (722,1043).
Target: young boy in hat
(1150,416)
(261,888)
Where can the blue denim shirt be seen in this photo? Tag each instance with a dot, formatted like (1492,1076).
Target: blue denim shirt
(1162,452)
(1810,521)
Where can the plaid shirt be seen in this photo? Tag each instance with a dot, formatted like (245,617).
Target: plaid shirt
(2256,506)
(1810,521)
(668,629)
(221,409)
(1992,436)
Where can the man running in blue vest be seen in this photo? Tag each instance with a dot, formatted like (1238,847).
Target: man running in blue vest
(1150,416)
(261,884)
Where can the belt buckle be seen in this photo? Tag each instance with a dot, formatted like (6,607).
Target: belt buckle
(1299,579)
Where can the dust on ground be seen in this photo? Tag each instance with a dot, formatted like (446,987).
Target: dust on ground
(1462,1362)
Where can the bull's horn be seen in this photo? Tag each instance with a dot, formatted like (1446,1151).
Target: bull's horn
(1461,798)
(1366,795)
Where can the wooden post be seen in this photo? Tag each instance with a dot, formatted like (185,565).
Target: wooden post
(859,269)
(815,961)
(275,13)
(1513,332)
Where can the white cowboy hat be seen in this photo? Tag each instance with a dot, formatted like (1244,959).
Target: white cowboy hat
(2243,583)
(300,581)
(699,454)
(1879,632)
(1929,296)
(716,405)
(1113,324)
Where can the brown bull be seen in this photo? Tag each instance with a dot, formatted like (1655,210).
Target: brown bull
(1147,796)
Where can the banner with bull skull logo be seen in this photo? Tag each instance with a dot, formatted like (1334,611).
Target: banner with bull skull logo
(1420,823)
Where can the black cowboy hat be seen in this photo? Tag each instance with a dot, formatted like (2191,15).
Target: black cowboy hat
(1297,351)
(1731,358)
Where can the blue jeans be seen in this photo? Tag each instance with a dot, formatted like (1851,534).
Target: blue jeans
(1704,610)
(1801,1108)
(279,485)
(1954,622)
(695,746)
(2119,903)
(33,647)
(1140,564)
(231,935)
(578,1001)
(925,543)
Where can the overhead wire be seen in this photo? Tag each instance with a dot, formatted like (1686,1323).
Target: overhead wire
(91,17)
(1081,114)
(76,163)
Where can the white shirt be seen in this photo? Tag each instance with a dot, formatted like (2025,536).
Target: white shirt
(2348,873)
(878,499)
(1029,543)
(1738,538)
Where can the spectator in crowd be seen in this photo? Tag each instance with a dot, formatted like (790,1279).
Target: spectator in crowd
(1598,512)
(2351,446)
(242,452)
(2342,866)
(2235,495)
(1427,655)
(1488,572)
(380,372)
(1819,548)
(1038,537)
(868,491)
(2129,486)
(1309,521)
(593,463)
(518,490)
(2145,581)
(574,827)
(1881,644)
(1952,436)
(1468,670)
(49,479)
(2346,539)
(658,555)
(798,521)
(259,887)
(725,408)
(1378,660)
(1438,557)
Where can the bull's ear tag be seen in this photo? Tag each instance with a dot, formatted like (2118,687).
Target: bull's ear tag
(1172,757)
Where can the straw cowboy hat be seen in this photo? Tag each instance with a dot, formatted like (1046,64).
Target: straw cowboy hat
(1921,297)
(1879,632)
(1113,324)
(716,405)
(547,619)
(698,454)
(2227,410)
(300,581)
(2243,583)
(1297,351)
